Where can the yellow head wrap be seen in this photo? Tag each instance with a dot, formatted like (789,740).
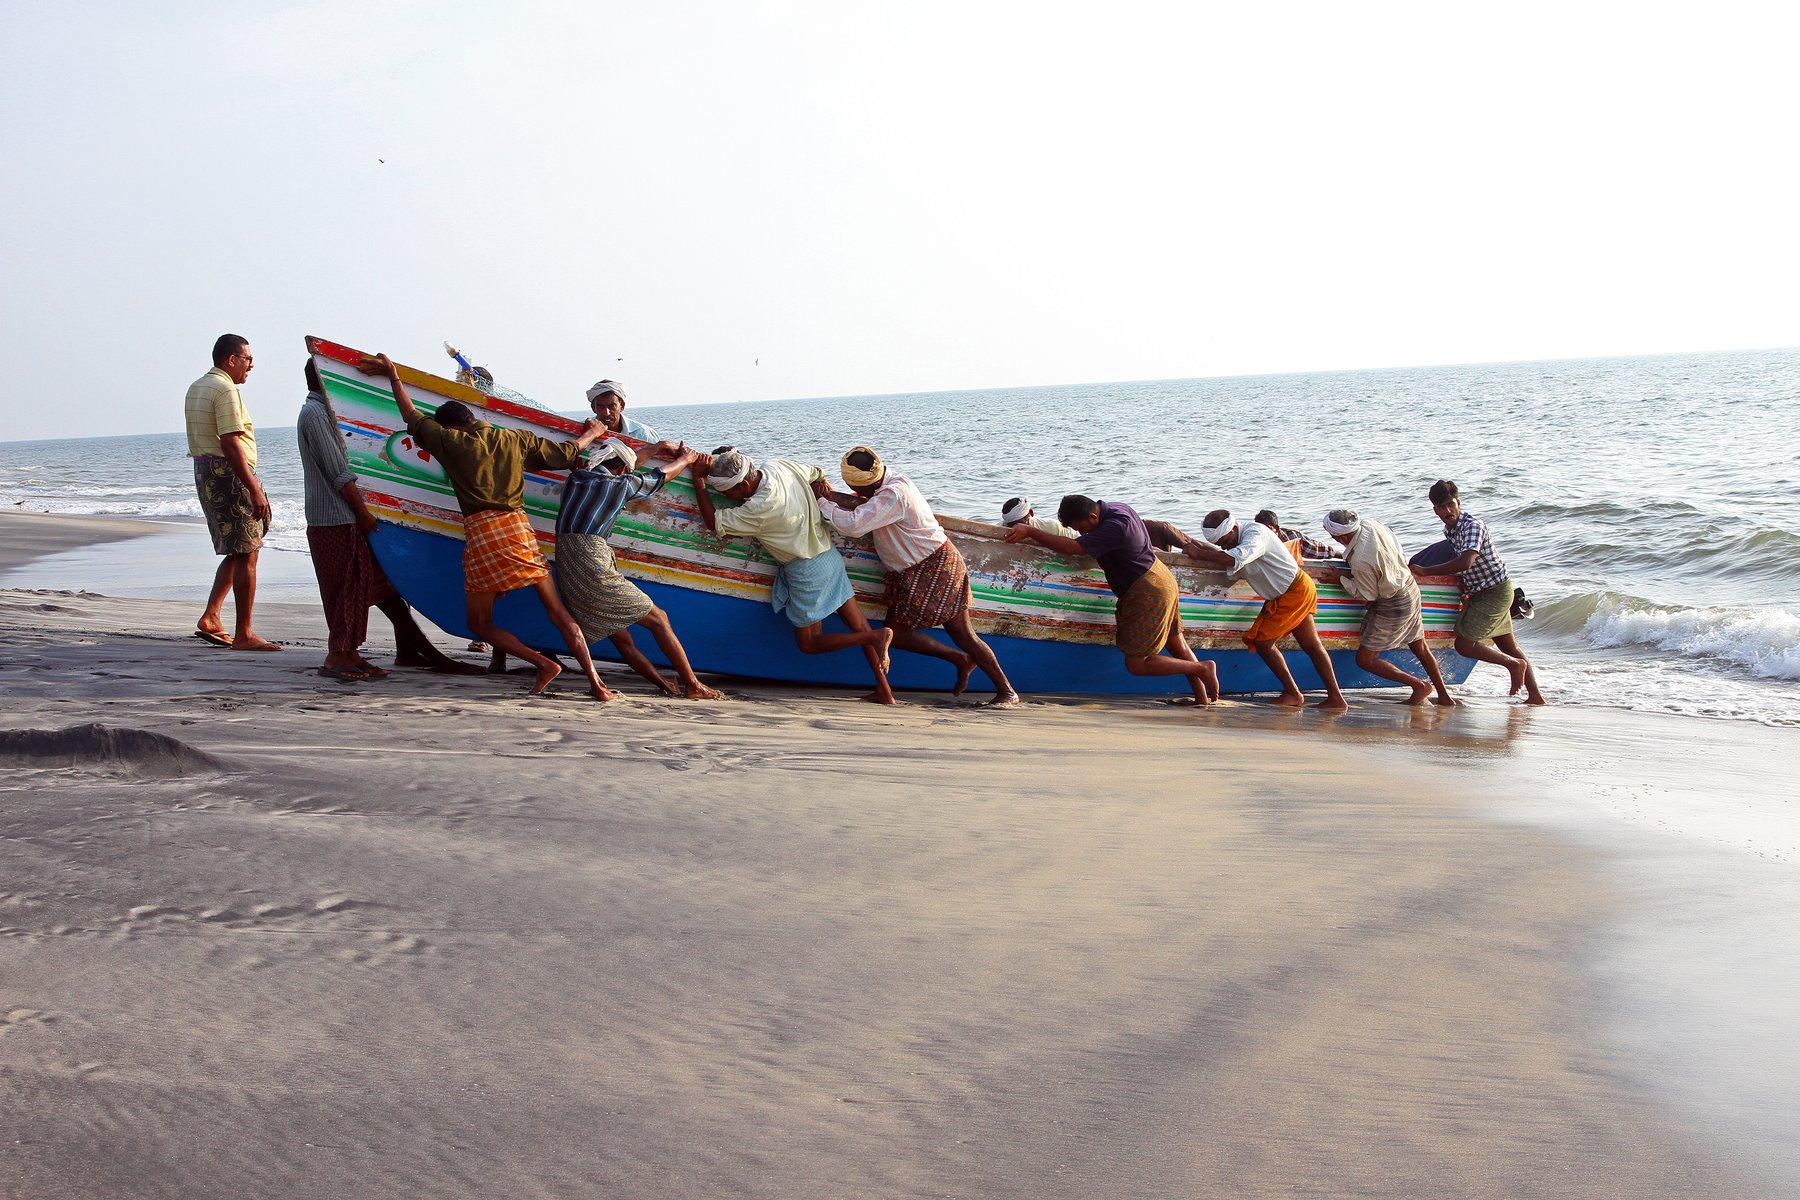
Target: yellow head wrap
(856,477)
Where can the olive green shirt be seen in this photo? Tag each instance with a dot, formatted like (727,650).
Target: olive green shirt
(487,464)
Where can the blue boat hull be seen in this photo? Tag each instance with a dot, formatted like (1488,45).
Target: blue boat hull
(732,636)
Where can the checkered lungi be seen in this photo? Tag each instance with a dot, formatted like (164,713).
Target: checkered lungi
(501,552)
(601,600)
(1148,613)
(931,592)
(349,581)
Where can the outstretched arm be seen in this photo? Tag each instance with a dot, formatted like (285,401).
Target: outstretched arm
(1206,552)
(1455,566)
(701,464)
(680,459)
(1025,531)
(381,364)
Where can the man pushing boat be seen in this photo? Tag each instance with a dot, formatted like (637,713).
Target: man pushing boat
(1148,616)
(603,602)
(777,508)
(928,582)
(486,466)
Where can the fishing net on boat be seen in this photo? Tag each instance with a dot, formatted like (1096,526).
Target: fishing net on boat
(482,380)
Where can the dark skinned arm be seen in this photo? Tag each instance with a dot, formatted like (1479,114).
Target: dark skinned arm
(1024,531)
(1455,566)
(698,468)
(1209,554)
(233,446)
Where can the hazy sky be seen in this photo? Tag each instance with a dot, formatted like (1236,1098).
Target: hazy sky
(877,198)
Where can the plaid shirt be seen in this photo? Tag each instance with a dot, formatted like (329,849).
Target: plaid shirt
(1471,533)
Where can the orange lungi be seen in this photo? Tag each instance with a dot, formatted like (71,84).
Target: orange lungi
(1288,611)
(501,552)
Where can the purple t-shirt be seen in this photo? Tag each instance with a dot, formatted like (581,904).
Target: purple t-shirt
(1121,544)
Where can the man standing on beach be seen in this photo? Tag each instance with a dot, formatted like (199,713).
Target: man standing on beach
(1148,616)
(486,465)
(607,399)
(1484,629)
(1375,572)
(603,602)
(338,524)
(222,443)
(1256,554)
(928,582)
(777,508)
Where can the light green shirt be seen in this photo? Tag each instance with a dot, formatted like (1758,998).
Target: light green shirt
(782,513)
(214,409)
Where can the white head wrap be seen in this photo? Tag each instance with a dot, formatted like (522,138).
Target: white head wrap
(602,388)
(613,448)
(1017,511)
(730,468)
(1213,533)
(1341,522)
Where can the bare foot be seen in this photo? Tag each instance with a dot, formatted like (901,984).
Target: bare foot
(881,652)
(600,691)
(1005,700)
(1444,700)
(1210,677)
(549,671)
(1421,692)
(699,691)
(1536,698)
(881,695)
(1518,670)
(1288,700)
(965,667)
(253,642)
(1333,704)
(668,686)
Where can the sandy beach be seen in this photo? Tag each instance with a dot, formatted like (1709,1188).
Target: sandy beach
(428,937)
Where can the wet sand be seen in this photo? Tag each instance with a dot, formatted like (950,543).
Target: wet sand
(429,937)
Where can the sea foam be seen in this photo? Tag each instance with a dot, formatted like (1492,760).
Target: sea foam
(1765,642)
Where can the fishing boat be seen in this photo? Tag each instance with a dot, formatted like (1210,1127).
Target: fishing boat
(1047,617)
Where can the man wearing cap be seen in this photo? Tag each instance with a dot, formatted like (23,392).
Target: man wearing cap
(607,399)
(928,582)
(486,466)
(1256,554)
(1147,619)
(222,442)
(603,602)
(1376,573)
(777,508)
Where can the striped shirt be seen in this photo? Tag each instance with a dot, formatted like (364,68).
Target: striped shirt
(324,464)
(214,409)
(592,500)
(1471,533)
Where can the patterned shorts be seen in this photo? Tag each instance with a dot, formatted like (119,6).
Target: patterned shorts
(230,515)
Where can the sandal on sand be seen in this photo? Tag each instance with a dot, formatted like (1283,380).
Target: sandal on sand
(343,674)
(214,636)
(371,671)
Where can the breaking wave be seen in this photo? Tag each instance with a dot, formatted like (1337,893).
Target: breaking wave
(1762,641)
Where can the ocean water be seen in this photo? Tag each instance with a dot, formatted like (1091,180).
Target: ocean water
(1649,506)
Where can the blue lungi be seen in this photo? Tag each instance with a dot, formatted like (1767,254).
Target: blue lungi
(808,590)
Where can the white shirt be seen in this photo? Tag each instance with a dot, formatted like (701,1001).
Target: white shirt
(1263,561)
(780,513)
(1051,525)
(897,520)
(1378,568)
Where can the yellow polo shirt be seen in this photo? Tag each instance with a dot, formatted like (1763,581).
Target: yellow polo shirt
(215,409)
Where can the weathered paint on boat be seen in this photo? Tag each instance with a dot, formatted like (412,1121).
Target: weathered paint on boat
(1049,619)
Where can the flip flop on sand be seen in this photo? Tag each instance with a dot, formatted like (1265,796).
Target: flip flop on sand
(214,636)
(370,670)
(343,674)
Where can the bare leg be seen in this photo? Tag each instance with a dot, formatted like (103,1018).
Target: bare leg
(663,630)
(496,658)
(1308,637)
(921,643)
(1290,696)
(412,648)
(1510,645)
(1206,682)
(1429,661)
(1515,665)
(874,643)
(559,616)
(243,598)
(1372,662)
(1162,664)
(481,624)
(212,617)
(634,658)
(962,631)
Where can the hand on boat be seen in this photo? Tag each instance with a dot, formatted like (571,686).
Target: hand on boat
(1019,533)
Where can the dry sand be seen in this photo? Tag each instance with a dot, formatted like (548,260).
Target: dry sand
(427,937)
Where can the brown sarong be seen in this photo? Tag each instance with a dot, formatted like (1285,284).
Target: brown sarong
(501,552)
(1148,613)
(931,591)
(230,514)
(1394,622)
(349,581)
